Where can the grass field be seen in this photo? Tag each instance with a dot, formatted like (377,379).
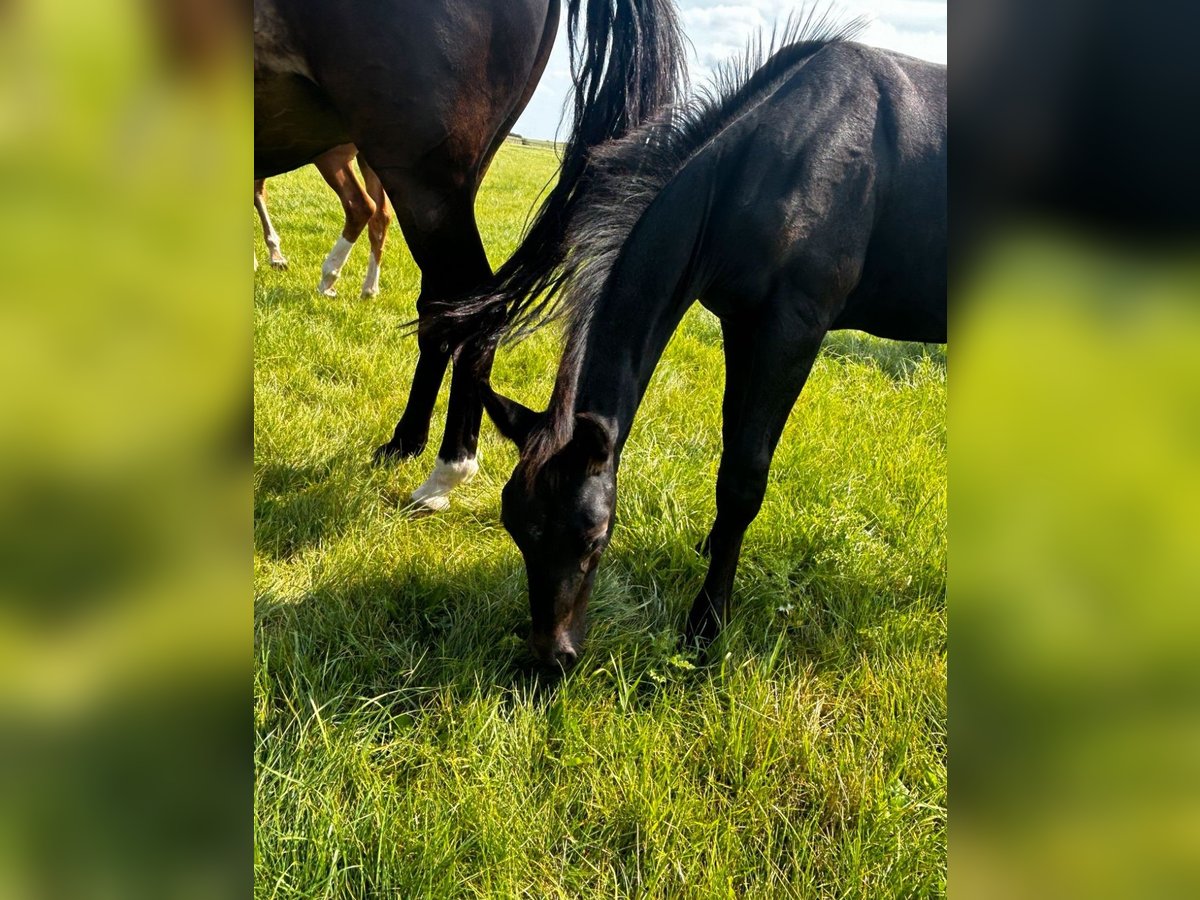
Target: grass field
(405,748)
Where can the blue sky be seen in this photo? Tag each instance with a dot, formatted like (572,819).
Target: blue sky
(718,30)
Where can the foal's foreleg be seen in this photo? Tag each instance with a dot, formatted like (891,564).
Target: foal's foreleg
(377,227)
(766,364)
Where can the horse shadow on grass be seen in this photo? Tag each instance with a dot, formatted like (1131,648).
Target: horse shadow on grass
(417,642)
(407,640)
(298,506)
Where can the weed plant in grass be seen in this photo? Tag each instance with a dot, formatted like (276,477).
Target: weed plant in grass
(405,748)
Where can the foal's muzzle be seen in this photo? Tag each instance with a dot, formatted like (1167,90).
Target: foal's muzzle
(558,651)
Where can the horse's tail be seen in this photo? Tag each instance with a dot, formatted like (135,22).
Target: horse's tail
(627,62)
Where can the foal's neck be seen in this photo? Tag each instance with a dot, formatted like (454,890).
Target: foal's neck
(624,340)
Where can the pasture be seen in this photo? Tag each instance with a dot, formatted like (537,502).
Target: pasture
(404,745)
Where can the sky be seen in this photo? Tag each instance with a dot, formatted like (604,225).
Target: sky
(718,30)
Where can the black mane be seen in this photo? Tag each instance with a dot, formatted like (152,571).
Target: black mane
(627,174)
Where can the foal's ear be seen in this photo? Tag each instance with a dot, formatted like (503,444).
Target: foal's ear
(512,420)
(594,439)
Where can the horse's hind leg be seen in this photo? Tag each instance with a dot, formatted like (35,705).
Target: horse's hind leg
(377,227)
(439,226)
(767,360)
(335,167)
(270,235)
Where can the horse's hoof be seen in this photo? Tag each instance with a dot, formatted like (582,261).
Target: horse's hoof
(368,293)
(434,493)
(703,626)
(427,506)
(327,292)
(694,647)
(394,450)
(279,264)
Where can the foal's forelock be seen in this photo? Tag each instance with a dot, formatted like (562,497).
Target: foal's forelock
(541,447)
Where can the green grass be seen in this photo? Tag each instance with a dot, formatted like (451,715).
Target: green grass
(404,748)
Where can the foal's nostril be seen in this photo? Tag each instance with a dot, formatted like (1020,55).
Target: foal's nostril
(566,657)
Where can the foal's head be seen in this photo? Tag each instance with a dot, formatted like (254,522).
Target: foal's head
(558,506)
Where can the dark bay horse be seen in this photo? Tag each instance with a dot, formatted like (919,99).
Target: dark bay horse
(365,205)
(427,91)
(806,196)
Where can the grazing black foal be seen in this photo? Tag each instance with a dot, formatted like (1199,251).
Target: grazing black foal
(806,196)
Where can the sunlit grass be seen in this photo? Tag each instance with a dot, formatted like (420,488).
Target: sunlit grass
(405,749)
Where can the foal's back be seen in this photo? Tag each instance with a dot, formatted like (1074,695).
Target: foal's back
(831,189)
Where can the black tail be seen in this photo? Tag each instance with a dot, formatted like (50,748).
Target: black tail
(627,61)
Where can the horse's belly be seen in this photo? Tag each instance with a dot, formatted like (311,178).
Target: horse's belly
(904,300)
(293,123)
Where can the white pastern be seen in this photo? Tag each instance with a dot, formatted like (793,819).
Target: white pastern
(332,266)
(434,494)
(371,283)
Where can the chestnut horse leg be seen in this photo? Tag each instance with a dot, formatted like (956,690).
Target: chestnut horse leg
(270,235)
(335,167)
(377,227)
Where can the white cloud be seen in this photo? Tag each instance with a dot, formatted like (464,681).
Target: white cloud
(718,30)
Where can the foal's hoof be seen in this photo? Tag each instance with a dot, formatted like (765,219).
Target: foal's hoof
(695,647)
(279,263)
(697,637)
(703,626)
(368,293)
(395,450)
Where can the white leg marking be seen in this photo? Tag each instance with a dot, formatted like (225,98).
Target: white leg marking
(332,267)
(371,282)
(434,494)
